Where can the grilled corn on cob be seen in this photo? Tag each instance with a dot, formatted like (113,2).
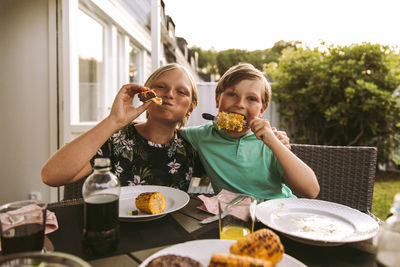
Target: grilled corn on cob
(262,244)
(151,202)
(230,121)
(219,260)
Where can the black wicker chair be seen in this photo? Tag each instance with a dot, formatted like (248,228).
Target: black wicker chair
(73,190)
(346,174)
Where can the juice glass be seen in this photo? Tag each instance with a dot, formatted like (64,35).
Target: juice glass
(236,215)
(22,225)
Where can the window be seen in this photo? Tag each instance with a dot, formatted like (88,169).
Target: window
(90,46)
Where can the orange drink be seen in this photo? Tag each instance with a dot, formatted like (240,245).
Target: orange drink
(236,215)
(233,232)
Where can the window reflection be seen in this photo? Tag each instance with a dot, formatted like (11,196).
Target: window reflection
(133,64)
(90,50)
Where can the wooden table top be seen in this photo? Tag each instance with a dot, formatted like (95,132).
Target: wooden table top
(189,217)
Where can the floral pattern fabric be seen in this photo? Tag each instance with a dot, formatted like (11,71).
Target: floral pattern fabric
(137,161)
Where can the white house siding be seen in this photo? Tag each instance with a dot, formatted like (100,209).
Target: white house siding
(27,65)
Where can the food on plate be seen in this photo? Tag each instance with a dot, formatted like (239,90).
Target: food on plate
(230,121)
(173,260)
(151,202)
(219,260)
(262,244)
(150,95)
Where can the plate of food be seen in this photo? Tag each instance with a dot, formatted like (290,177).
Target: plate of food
(206,252)
(316,222)
(148,202)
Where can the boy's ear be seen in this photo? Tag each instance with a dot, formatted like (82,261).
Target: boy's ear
(262,112)
(217,101)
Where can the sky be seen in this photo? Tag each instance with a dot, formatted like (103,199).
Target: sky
(258,24)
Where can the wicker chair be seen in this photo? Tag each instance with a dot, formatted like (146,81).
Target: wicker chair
(345,174)
(73,190)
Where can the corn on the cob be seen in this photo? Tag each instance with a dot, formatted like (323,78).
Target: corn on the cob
(151,202)
(223,260)
(230,121)
(262,244)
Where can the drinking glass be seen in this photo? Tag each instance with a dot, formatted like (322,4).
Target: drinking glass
(236,215)
(22,225)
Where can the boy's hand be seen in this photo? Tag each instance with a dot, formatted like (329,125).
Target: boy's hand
(122,111)
(264,132)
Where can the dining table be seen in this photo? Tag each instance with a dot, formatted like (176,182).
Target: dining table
(140,239)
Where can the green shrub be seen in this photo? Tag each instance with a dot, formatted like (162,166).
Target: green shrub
(344,95)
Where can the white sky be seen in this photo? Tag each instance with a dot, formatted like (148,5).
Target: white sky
(258,24)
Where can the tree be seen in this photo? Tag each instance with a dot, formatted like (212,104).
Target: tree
(218,63)
(207,60)
(341,96)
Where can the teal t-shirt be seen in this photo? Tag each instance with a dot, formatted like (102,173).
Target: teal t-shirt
(244,165)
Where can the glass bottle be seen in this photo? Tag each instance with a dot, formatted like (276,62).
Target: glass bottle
(388,250)
(101,192)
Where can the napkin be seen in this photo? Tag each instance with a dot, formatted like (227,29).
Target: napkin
(210,204)
(51,219)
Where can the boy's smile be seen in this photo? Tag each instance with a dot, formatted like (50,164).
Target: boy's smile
(243,98)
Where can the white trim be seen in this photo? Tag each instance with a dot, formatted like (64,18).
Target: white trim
(125,21)
(69,64)
(53,87)
(155,34)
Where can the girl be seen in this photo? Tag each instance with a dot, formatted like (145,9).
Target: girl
(150,152)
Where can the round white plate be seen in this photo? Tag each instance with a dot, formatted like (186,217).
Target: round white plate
(316,222)
(176,199)
(202,250)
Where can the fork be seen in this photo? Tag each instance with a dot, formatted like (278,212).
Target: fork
(208,116)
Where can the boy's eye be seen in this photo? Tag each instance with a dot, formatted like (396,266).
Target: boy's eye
(253,99)
(231,94)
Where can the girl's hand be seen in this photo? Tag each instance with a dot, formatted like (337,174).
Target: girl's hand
(282,136)
(122,111)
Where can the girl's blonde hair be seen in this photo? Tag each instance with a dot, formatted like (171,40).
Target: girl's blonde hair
(240,72)
(172,66)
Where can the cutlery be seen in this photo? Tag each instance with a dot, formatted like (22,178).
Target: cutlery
(208,116)
(225,212)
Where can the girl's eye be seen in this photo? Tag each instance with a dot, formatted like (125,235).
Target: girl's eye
(182,92)
(231,94)
(253,99)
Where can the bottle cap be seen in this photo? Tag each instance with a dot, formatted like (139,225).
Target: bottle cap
(102,162)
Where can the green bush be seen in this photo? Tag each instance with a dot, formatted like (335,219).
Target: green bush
(344,95)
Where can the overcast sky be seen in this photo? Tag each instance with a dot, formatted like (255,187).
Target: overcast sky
(258,24)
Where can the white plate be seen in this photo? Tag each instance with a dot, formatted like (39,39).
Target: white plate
(316,222)
(176,199)
(202,250)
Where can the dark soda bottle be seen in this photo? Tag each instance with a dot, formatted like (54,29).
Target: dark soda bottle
(101,192)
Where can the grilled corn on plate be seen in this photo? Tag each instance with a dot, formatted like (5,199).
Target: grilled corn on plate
(262,244)
(151,202)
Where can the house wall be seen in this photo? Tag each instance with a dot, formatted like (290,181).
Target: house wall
(24,96)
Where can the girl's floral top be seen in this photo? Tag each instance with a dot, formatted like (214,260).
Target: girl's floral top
(137,161)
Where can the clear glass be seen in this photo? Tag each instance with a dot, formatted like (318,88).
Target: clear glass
(101,192)
(388,249)
(236,215)
(22,226)
(90,50)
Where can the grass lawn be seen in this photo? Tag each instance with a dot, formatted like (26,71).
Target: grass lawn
(387,184)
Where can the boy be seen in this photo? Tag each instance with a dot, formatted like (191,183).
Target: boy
(253,161)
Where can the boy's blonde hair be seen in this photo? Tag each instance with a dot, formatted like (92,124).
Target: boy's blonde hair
(240,72)
(172,66)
